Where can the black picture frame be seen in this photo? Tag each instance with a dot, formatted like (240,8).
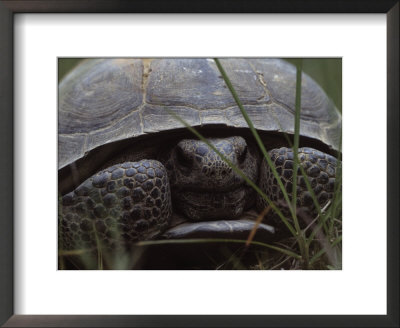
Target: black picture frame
(10,7)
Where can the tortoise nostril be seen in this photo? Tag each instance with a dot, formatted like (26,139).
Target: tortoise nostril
(183,157)
(242,154)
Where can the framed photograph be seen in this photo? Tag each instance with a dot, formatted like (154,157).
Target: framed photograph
(156,159)
(149,159)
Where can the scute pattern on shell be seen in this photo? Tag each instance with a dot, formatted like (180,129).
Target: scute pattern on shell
(103,94)
(109,100)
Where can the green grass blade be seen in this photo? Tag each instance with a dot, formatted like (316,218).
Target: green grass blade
(291,145)
(323,250)
(337,200)
(301,239)
(296,141)
(256,136)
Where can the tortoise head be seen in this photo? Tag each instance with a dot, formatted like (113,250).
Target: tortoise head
(204,185)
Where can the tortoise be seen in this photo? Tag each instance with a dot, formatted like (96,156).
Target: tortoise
(130,171)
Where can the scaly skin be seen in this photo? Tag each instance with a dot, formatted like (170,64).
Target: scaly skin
(320,169)
(121,204)
(132,201)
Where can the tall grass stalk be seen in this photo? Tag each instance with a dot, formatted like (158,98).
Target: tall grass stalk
(297,233)
(258,140)
(303,242)
(300,237)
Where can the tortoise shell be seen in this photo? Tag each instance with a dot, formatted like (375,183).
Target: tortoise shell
(105,101)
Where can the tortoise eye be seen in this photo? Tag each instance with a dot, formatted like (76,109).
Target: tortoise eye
(183,157)
(242,154)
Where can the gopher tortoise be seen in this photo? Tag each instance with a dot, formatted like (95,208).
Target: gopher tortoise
(130,171)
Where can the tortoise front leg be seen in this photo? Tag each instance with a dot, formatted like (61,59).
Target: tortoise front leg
(116,207)
(320,169)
